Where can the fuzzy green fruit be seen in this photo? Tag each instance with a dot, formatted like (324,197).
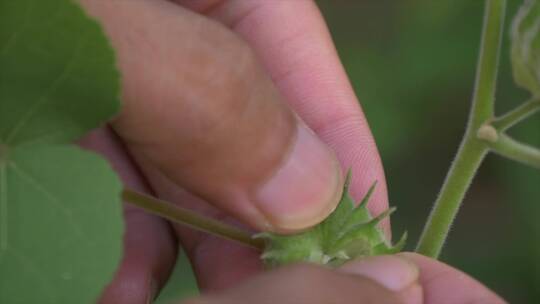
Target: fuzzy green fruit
(348,233)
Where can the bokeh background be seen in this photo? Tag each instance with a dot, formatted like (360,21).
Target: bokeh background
(412,64)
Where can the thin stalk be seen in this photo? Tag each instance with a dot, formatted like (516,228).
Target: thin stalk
(460,176)
(520,152)
(472,150)
(483,103)
(191,219)
(518,114)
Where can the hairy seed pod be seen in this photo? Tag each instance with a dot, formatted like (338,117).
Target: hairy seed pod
(348,233)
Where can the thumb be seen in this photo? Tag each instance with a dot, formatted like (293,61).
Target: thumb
(199,107)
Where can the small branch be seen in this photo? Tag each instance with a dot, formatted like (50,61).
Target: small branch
(518,114)
(472,150)
(191,219)
(512,149)
(488,64)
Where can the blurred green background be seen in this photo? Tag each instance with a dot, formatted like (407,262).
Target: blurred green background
(412,64)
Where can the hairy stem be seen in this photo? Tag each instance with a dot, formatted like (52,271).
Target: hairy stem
(518,114)
(512,149)
(472,150)
(460,176)
(192,219)
(488,64)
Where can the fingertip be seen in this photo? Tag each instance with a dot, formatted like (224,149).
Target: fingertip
(394,273)
(440,281)
(305,189)
(130,286)
(412,295)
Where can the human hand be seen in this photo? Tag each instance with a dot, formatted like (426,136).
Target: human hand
(207,109)
(406,278)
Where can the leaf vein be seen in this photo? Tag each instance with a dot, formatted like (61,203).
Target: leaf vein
(16,32)
(51,197)
(66,72)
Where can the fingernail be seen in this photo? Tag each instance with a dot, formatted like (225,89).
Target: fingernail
(413,294)
(305,189)
(153,292)
(392,272)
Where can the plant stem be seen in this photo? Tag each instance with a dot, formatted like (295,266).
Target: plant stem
(488,64)
(192,219)
(518,114)
(460,176)
(472,150)
(512,149)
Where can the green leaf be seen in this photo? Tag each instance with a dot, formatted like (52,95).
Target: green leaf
(348,233)
(60,211)
(58,76)
(525,51)
(60,225)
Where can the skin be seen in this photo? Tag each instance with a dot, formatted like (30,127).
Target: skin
(242,111)
(433,282)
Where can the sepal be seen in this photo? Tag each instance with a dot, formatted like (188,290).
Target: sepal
(348,233)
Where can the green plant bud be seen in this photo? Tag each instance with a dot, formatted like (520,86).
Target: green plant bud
(525,52)
(348,233)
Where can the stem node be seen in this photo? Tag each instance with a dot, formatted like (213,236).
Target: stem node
(487,133)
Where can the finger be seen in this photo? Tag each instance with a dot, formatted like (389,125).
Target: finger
(149,248)
(443,284)
(303,284)
(199,107)
(217,263)
(220,264)
(292,41)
